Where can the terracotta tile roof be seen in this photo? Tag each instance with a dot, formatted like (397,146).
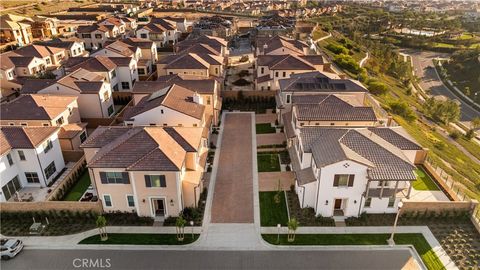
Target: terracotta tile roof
(91,28)
(98,63)
(329,108)
(36,107)
(305,176)
(385,161)
(213,42)
(392,136)
(139,148)
(198,84)
(26,137)
(4,144)
(267,45)
(185,61)
(32,86)
(69,131)
(174,97)
(83,81)
(284,62)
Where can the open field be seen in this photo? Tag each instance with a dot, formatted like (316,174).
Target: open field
(41,7)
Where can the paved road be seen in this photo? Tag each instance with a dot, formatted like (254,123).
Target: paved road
(233,193)
(424,69)
(175,259)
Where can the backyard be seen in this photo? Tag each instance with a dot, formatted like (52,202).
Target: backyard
(264,128)
(273,212)
(424,181)
(417,240)
(268,162)
(77,191)
(140,239)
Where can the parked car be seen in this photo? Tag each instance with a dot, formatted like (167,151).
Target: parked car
(9,248)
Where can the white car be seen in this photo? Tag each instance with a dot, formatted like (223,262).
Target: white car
(9,248)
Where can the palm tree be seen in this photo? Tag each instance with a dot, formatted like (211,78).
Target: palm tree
(292,228)
(180,227)
(102,227)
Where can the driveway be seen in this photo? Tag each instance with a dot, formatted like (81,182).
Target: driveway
(429,80)
(233,192)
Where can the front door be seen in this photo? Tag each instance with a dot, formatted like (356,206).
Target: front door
(159,207)
(338,204)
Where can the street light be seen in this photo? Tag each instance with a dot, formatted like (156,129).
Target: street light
(278,232)
(191,224)
(390,241)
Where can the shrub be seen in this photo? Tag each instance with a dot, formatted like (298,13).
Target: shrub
(454,134)
(401,108)
(347,62)
(241,82)
(243,59)
(337,49)
(377,88)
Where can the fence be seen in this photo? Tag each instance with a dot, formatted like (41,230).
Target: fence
(452,188)
(95,207)
(72,175)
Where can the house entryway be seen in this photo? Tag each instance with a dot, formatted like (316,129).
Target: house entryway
(339,213)
(158,207)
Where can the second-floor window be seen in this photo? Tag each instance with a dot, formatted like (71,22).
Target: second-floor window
(143,35)
(114,74)
(114,178)
(343,180)
(155,181)
(60,121)
(50,170)
(47,146)
(125,85)
(83,137)
(10,160)
(99,36)
(21,155)
(32,177)
(86,35)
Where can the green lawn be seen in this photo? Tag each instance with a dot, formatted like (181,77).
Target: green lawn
(424,181)
(268,162)
(264,128)
(272,213)
(79,188)
(141,239)
(416,239)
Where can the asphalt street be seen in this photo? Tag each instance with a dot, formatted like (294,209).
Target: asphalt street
(429,80)
(190,259)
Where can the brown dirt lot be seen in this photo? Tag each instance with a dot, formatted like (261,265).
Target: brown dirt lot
(269,139)
(268,181)
(233,192)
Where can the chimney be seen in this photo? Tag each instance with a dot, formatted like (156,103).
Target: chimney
(197,98)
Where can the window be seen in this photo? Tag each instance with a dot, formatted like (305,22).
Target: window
(98,36)
(143,35)
(155,181)
(161,111)
(208,101)
(284,74)
(107,199)
(114,178)
(141,71)
(48,61)
(45,125)
(383,183)
(262,70)
(11,187)
(21,155)
(60,121)
(368,202)
(110,110)
(32,177)
(50,170)
(115,87)
(130,201)
(276,74)
(391,201)
(86,35)
(343,180)
(289,97)
(10,160)
(83,137)
(47,146)
(216,70)
(23,124)
(125,85)
(114,74)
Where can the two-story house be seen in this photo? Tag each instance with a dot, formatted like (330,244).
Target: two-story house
(161,31)
(29,157)
(152,171)
(16,29)
(93,36)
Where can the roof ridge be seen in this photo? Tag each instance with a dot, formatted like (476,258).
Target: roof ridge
(100,154)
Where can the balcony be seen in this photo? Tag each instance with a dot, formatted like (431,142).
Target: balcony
(387,192)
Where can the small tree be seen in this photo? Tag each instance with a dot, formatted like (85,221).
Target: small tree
(180,227)
(292,228)
(102,227)
(277,197)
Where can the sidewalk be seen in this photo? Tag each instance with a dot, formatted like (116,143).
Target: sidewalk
(432,241)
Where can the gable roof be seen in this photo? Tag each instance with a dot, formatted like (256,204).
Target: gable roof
(174,97)
(194,83)
(138,148)
(286,62)
(25,137)
(271,44)
(82,81)
(36,107)
(185,61)
(97,63)
(319,82)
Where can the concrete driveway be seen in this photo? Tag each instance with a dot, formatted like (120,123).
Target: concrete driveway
(233,192)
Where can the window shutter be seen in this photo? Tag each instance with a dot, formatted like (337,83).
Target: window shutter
(335,180)
(126,178)
(163,183)
(351,177)
(103,178)
(147,181)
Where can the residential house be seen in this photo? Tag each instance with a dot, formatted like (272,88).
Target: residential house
(93,92)
(216,26)
(272,68)
(346,172)
(29,157)
(280,45)
(94,36)
(44,27)
(209,45)
(47,110)
(161,31)
(119,72)
(208,88)
(116,26)
(16,29)
(192,64)
(74,47)
(170,106)
(152,171)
